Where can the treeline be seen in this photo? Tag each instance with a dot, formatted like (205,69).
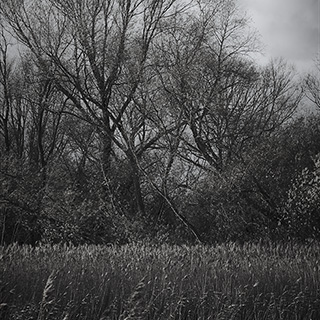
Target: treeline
(147,120)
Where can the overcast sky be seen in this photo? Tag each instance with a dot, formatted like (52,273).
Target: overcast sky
(288,28)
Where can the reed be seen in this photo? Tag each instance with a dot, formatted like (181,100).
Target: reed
(137,281)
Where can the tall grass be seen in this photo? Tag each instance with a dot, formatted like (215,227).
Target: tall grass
(161,282)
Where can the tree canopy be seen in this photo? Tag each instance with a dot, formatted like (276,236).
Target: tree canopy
(126,120)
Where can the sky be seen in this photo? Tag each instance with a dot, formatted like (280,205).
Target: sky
(287,28)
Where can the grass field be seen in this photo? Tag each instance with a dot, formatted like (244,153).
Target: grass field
(160,282)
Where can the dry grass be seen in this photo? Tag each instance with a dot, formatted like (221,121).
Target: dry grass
(168,282)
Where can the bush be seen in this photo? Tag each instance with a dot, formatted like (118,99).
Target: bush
(302,208)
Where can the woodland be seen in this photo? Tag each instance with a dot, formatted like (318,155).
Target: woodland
(149,120)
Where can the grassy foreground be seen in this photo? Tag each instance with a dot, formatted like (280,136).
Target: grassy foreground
(167,282)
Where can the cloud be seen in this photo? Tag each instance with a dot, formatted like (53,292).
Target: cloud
(288,28)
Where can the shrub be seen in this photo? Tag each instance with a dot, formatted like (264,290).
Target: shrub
(302,208)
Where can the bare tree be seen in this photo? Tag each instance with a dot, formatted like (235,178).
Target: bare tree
(6,107)
(312,85)
(30,116)
(93,50)
(96,52)
(227,101)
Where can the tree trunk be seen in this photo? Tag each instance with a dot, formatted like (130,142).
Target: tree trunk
(137,191)
(135,176)
(106,146)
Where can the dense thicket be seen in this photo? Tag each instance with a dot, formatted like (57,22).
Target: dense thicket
(129,120)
